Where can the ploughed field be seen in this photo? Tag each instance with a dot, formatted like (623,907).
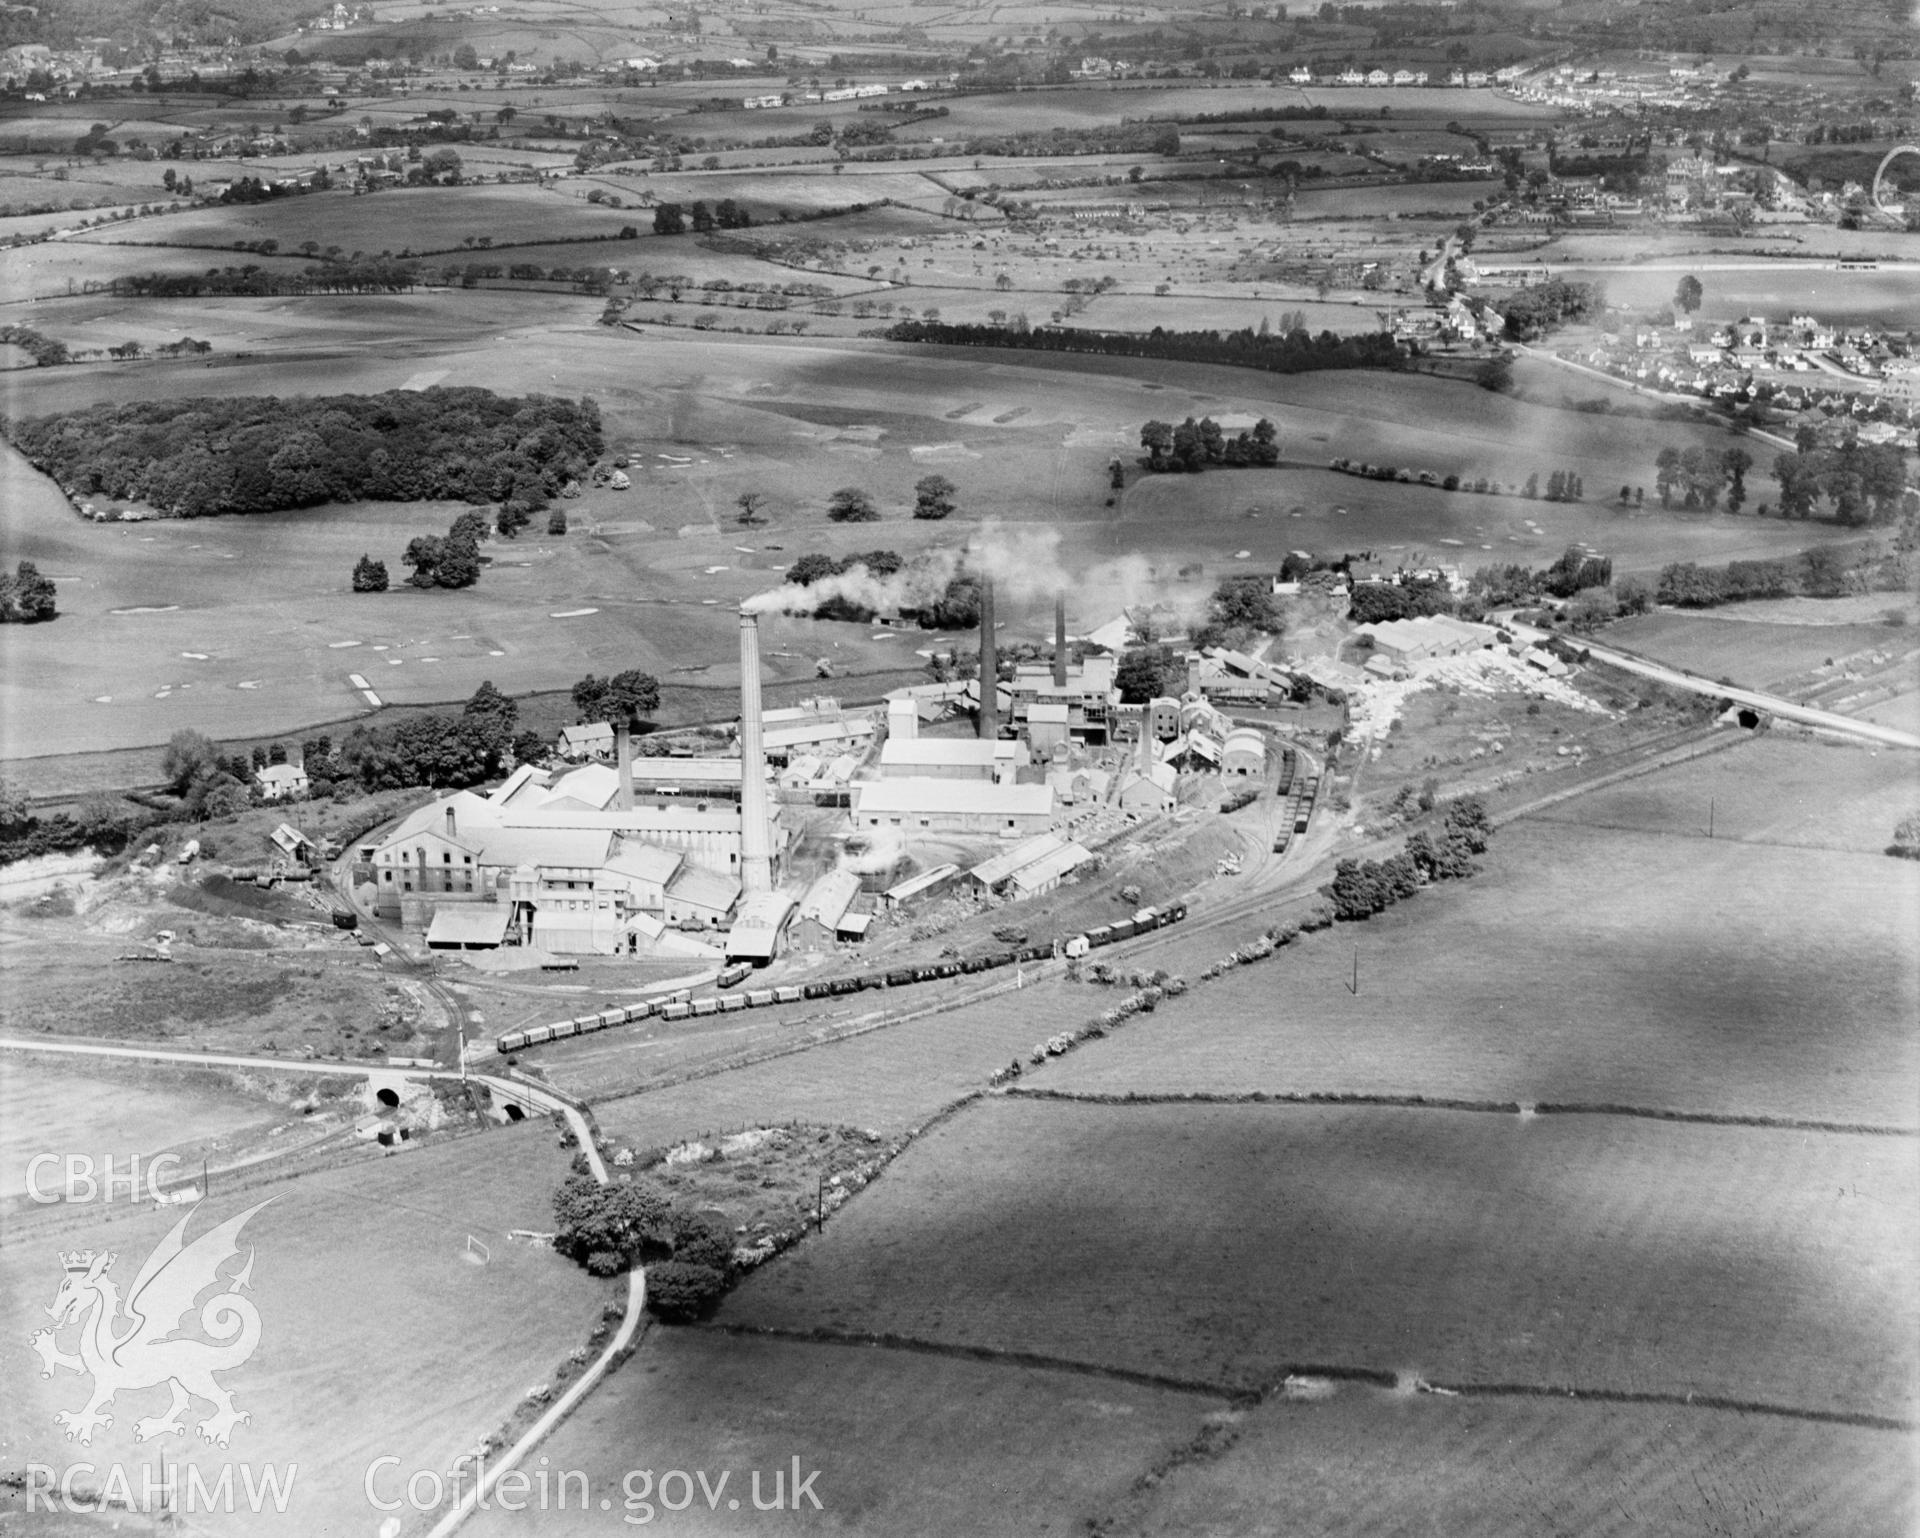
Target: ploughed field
(1233,1245)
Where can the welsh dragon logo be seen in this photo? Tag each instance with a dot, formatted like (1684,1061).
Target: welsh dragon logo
(137,1345)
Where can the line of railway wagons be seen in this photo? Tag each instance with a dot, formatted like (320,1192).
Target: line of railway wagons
(682,1005)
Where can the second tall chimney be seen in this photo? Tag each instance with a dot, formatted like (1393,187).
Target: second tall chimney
(989,666)
(756,853)
(1060,641)
(623,765)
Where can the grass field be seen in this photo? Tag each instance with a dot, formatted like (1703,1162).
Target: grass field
(1649,967)
(904,1443)
(1384,1465)
(105,1113)
(413,219)
(377,1337)
(1722,644)
(1237,1243)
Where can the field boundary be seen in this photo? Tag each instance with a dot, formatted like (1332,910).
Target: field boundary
(1472,1107)
(1375,1377)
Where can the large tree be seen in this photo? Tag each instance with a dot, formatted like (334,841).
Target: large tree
(369,575)
(188,757)
(629,696)
(1689,294)
(26,597)
(934,496)
(852,505)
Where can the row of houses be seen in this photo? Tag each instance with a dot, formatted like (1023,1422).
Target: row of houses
(1474,79)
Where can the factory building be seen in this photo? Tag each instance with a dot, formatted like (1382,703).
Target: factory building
(952,758)
(978,808)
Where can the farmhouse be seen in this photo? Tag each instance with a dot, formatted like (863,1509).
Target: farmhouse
(281,782)
(589,740)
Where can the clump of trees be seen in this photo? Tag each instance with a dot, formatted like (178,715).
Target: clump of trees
(957,607)
(1148,673)
(1240,608)
(369,575)
(1859,483)
(100,822)
(1362,888)
(449,561)
(1192,446)
(1544,307)
(200,456)
(26,597)
(1821,572)
(1700,476)
(1906,838)
(627,696)
(1375,603)
(43,349)
(609,1229)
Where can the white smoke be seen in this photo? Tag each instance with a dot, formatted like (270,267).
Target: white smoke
(1026,565)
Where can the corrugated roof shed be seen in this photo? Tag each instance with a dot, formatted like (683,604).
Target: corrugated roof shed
(906,797)
(704,889)
(1042,874)
(830,897)
(992,872)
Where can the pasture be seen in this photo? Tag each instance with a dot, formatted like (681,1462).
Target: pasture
(1662,969)
(1733,289)
(1236,1244)
(376,1334)
(1726,643)
(44,1103)
(903,1442)
(1363,1462)
(416,219)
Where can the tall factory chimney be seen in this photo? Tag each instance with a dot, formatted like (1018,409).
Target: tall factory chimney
(623,764)
(756,855)
(989,666)
(1060,641)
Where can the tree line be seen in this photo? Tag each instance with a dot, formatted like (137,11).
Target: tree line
(1192,446)
(1295,352)
(1362,888)
(200,456)
(957,607)
(369,275)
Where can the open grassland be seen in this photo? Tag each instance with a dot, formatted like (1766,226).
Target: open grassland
(1384,1465)
(889,1079)
(1724,644)
(106,1113)
(1731,289)
(1643,968)
(903,1442)
(412,219)
(1234,1244)
(377,1337)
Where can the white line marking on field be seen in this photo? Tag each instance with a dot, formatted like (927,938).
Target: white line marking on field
(372,698)
(356,680)
(251,683)
(561,614)
(103,699)
(334,646)
(496,654)
(195,656)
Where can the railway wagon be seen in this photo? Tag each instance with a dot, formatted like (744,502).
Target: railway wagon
(900,977)
(739,972)
(539,1033)
(760,998)
(706,1007)
(789,994)
(678,1010)
(564,1029)
(512,1041)
(732,1001)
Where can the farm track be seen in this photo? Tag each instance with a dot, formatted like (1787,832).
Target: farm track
(1343,1373)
